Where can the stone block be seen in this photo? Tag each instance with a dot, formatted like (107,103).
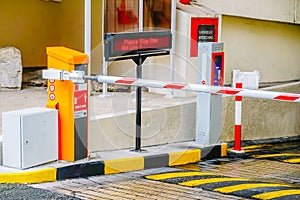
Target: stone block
(10,68)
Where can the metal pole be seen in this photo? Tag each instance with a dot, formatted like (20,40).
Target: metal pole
(141,15)
(139,74)
(138,107)
(87,27)
(104,65)
(173,31)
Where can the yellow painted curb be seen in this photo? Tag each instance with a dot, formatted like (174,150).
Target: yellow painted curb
(123,165)
(240,187)
(276,155)
(276,194)
(185,157)
(178,175)
(293,160)
(224,148)
(39,176)
(193,183)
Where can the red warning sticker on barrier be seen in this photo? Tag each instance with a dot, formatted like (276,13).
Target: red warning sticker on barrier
(175,86)
(287,97)
(229,91)
(80,100)
(126,81)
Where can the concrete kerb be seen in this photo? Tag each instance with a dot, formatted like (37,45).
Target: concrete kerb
(113,166)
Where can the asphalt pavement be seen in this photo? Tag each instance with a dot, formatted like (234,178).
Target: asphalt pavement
(25,192)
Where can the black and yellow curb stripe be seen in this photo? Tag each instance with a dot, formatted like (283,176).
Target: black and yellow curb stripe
(241,187)
(283,157)
(38,176)
(106,167)
(273,152)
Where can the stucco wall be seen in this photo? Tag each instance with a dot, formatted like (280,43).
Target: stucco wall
(298,11)
(269,47)
(159,126)
(274,10)
(30,26)
(71,28)
(71,24)
(33,25)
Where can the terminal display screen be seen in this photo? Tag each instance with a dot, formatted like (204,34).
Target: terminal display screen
(142,43)
(125,44)
(206,33)
(217,69)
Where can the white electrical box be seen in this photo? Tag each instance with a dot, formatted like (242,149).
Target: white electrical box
(30,137)
(250,80)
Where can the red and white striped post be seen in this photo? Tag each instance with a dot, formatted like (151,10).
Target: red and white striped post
(238,120)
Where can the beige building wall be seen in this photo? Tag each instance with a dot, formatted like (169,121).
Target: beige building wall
(274,10)
(71,24)
(297,6)
(30,26)
(72,27)
(269,47)
(33,25)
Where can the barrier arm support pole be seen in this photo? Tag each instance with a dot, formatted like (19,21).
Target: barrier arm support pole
(238,120)
(138,116)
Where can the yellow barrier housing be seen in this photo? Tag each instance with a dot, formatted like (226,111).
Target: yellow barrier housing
(71,100)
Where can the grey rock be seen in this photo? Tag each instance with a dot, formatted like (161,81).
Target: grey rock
(32,76)
(98,87)
(10,68)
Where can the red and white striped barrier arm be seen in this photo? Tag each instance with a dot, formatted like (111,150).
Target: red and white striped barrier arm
(291,97)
